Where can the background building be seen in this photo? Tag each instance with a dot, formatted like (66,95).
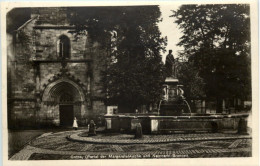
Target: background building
(53,76)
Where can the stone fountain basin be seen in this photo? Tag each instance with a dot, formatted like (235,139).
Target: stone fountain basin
(223,123)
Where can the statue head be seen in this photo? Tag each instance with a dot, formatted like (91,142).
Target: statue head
(170,51)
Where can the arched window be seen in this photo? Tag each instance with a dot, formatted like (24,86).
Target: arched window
(63,47)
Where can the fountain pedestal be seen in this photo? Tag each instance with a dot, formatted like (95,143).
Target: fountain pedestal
(173,104)
(170,89)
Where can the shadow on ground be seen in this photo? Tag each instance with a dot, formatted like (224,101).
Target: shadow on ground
(18,139)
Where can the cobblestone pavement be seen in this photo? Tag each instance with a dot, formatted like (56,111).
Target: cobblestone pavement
(152,139)
(55,146)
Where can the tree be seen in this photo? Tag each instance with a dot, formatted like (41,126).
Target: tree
(194,85)
(216,39)
(134,72)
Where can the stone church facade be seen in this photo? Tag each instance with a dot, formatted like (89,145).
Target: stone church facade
(53,76)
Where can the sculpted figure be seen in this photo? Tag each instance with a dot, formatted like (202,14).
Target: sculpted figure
(92,128)
(169,64)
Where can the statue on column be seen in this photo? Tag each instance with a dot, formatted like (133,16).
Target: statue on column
(169,65)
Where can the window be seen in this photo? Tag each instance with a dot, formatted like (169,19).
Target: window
(63,47)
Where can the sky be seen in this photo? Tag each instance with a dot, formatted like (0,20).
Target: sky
(170,29)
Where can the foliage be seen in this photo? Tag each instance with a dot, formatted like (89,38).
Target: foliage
(214,26)
(216,39)
(134,71)
(194,84)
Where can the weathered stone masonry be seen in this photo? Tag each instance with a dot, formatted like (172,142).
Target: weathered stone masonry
(48,84)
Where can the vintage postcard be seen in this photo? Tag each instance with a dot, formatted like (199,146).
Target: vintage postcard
(119,83)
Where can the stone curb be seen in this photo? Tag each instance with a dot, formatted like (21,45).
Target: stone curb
(77,138)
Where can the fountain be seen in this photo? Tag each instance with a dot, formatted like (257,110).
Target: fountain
(188,106)
(171,118)
(159,107)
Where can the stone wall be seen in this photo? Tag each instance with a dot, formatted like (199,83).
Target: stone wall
(99,108)
(21,84)
(46,43)
(23,113)
(52,15)
(37,63)
(23,80)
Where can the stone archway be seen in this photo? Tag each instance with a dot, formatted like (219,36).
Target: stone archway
(62,100)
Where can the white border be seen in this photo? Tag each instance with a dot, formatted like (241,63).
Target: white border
(5,6)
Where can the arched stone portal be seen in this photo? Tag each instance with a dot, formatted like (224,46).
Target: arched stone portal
(62,100)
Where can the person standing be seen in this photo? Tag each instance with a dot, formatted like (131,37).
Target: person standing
(75,123)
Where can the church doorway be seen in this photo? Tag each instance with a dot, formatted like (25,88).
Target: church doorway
(66,109)
(63,100)
(66,115)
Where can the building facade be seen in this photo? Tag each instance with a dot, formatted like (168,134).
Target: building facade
(53,75)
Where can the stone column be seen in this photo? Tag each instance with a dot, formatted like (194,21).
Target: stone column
(89,77)
(37,77)
(204,106)
(108,123)
(56,115)
(89,73)
(224,105)
(242,126)
(154,125)
(88,84)
(82,113)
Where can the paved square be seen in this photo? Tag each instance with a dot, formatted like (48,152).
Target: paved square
(55,146)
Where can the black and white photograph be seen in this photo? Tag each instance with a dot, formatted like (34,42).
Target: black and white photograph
(124,82)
